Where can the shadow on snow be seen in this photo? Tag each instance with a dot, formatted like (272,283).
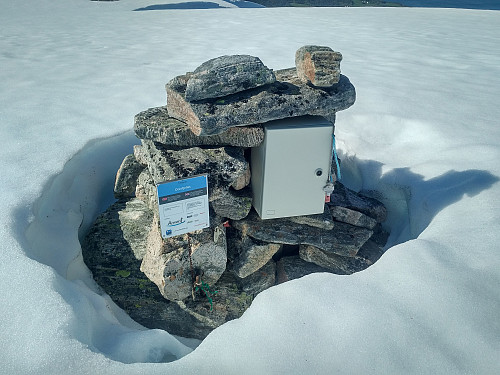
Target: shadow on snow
(411,200)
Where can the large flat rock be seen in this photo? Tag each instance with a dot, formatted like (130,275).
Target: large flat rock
(343,239)
(287,97)
(157,125)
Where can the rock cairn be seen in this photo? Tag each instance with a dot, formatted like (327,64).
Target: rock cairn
(211,121)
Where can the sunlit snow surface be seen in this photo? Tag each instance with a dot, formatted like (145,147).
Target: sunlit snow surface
(424,132)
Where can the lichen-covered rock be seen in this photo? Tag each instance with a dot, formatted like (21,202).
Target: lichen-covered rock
(318,65)
(226,300)
(234,205)
(155,124)
(344,197)
(225,165)
(126,177)
(287,97)
(119,232)
(107,251)
(227,75)
(343,239)
(167,261)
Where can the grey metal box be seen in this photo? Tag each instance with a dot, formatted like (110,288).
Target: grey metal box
(290,167)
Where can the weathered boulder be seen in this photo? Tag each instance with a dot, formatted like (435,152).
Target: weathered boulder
(252,255)
(155,124)
(126,177)
(226,166)
(167,261)
(318,65)
(287,97)
(140,155)
(343,239)
(344,197)
(227,75)
(342,265)
(146,190)
(234,205)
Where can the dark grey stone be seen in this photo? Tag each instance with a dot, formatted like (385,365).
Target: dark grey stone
(343,239)
(342,265)
(293,267)
(227,75)
(288,97)
(155,124)
(344,197)
(370,251)
(349,216)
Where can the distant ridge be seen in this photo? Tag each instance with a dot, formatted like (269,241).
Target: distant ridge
(327,3)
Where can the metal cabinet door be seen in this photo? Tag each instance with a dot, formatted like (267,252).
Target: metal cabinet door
(290,168)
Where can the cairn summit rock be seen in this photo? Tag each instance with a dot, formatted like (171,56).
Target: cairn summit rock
(287,97)
(226,75)
(318,65)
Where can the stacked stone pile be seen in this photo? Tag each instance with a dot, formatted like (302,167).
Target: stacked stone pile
(212,119)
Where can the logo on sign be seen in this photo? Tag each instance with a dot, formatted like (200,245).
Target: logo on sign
(176,222)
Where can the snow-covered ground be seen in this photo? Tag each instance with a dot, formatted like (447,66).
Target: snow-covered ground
(424,133)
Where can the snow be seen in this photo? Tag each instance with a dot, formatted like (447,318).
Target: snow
(423,135)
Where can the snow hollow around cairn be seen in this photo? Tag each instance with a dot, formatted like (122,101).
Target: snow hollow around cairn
(190,284)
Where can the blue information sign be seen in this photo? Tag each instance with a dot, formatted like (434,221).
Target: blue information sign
(183,205)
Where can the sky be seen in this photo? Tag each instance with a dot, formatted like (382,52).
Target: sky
(423,137)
